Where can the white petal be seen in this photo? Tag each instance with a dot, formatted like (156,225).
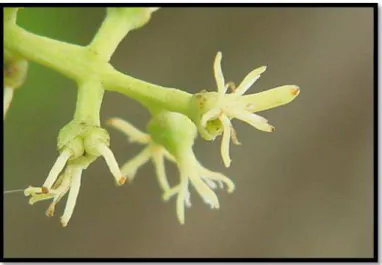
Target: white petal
(40,197)
(72,198)
(57,168)
(220,178)
(133,133)
(224,148)
(31,190)
(170,192)
(249,80)
(111,163)
(270,98)
(59,194)
(183,188)
(219,77)
(210,183)
(160,171)
(255,121)
(130,168)
(187,198)
(205,192)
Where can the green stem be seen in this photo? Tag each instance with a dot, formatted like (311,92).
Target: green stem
(68,59)
(89,100)
(112,31)
(149,95)
(10,15)
(81,63)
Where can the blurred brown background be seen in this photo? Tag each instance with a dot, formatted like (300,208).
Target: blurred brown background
(304,191)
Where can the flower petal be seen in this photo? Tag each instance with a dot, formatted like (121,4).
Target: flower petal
(254,120)
(216,176)
(57,168)
(111,163)
(133,133)
(160,171)
(130,168)
(271,98)
(224,148)
(72,198)
(180,200)
(219,77)
(207,194)
(249,80)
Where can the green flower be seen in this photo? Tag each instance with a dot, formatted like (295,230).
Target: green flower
(77,154)
(213,111)
(167,130)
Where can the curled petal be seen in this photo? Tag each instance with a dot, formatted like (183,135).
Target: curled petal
(111,163)
(219,77)
(210,115)
(33,190)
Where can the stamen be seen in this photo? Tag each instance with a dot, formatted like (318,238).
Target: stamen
(219,77)
(224,148)
(72,198)
(160,171)
(249,80)
(57,168)
(8,95)
(130,168)
(133,133)
(111,163)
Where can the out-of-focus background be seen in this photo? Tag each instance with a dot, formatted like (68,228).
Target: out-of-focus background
(303,191)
